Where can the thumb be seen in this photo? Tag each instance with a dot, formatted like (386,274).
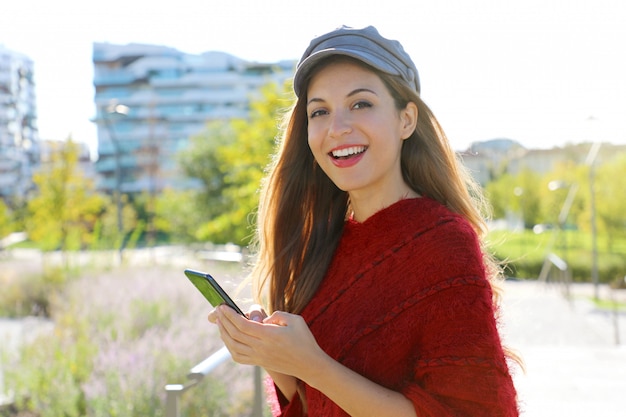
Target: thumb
(256,313)
(279,318)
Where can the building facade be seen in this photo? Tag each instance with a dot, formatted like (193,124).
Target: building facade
(19,137)
(488,160)
(150,100)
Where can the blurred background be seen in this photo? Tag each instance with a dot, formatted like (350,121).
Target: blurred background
(133,136)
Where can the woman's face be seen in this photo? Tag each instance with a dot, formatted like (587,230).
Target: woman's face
(356,132)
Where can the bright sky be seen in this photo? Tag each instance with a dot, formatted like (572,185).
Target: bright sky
(534,71)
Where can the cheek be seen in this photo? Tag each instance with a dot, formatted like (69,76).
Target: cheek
(315,143)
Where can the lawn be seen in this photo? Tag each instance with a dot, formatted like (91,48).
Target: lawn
(524,253)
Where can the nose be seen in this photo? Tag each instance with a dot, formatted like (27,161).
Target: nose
(340,124)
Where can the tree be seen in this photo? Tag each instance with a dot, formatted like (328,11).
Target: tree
(501,194)
(178,214)
(6,223)
(520,194)
(65,207)
(107,233)
(201,161)
(560,194)
(230,160)
(609,183)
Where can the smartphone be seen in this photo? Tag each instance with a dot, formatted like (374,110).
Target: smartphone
(211,290)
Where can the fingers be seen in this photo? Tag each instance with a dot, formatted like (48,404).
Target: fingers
(240,335)
(256,313)
(281,343)
(280,318)
(237,334)
(212,317)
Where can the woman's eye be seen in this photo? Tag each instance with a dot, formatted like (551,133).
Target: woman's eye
(362,105)
(316,113)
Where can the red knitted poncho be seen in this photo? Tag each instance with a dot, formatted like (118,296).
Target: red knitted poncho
(405,303)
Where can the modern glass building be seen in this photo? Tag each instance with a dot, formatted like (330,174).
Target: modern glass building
(151,99)
(19,137)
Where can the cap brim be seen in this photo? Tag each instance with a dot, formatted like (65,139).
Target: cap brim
(303,70)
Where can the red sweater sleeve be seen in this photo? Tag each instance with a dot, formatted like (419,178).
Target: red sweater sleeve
(461,368)
(280,406)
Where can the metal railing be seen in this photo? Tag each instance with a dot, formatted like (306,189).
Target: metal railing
(197,374)
(562,276)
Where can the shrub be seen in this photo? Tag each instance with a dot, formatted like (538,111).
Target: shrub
(119,338)
(523,255)
(30,294)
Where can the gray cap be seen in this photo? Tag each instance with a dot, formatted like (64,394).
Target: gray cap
(366,45)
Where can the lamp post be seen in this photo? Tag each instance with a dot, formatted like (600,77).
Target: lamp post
(111,109)
(590,162)
(519,192)
(591,158)
(561,219)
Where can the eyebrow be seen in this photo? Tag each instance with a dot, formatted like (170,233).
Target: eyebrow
(350,94)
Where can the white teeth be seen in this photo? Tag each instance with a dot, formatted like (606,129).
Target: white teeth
(353,150)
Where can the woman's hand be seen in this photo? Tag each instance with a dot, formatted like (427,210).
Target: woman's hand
(281,343)
(249,342)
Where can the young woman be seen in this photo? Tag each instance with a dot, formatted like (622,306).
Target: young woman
(370,261)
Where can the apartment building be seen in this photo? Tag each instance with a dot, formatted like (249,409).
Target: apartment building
(151,99)
(19,139)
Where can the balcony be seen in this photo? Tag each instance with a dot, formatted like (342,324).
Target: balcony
(103,77)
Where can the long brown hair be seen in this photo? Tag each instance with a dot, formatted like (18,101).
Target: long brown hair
(302,213)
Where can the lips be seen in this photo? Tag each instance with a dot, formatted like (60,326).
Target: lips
(347,156)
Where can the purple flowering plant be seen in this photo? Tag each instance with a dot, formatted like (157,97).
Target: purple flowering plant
(119,337)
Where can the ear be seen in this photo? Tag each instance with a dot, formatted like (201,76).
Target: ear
(408,120)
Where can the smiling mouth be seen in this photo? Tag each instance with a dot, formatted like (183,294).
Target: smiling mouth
(347,153)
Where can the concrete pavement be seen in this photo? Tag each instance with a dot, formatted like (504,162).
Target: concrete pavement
(573,365)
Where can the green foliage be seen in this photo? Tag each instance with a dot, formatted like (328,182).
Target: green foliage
(554,189)
(54,387)
(502,195)
(541,199)
(609,185)
(30,294)
(106,232)
(518,194)
(230,159)
(6,220)
(117,340)
(523,254)
(530,198)
(65,208)
(179,212)
(147,315)
(135,235)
